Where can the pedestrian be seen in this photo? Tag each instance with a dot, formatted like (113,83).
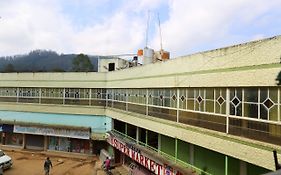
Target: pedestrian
(47,166)
(107,164)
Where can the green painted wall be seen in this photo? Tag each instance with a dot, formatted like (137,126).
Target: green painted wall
(168,145)
(255,170)
(210,161)
(183,151)
(233,166)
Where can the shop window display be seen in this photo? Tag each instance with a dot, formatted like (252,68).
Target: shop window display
(79,146)
(13,139)
(59,144)
(69,145)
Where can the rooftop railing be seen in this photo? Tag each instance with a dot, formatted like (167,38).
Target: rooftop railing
(253,112)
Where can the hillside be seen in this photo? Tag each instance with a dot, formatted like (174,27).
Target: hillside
(42,61)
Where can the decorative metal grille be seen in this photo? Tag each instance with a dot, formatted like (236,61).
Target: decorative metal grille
(52,92)
(8,92)
(29,92)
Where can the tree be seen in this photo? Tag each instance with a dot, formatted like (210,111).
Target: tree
(9,68)
(57,70)
(82,63)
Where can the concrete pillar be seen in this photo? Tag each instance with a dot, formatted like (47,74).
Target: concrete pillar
(226,165)
(178,103)
(45,143)
(24,141)
(106,98)
(146,137)
(191,154)
(112,123)
(40,95)
(90,97)
(227,109)
(159,142)
(146,102)
(176,149)
(126,129)
(137,135)
(243,168)
(63,102)
(18,91)
(126,99)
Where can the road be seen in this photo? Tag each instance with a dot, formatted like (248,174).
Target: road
(31,163)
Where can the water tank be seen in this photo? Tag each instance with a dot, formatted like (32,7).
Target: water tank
(165,55)
(148,55)
(140,52)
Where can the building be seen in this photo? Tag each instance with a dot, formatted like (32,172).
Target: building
(112,64)
(217,111)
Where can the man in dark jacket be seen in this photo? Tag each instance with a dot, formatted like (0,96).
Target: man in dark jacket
(47,166)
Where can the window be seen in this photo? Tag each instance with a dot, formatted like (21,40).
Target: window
(111,66)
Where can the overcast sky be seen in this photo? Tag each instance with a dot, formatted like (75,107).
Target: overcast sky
(108,27)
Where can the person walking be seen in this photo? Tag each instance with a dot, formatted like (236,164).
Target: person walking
(107,164)
(47,166)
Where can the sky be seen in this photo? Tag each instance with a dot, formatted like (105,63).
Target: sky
(113,27)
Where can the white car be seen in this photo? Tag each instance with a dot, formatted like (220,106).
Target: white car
(5,161)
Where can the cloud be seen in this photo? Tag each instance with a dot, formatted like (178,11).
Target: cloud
(111,27)
(200,25)
(28,25)
(118,34)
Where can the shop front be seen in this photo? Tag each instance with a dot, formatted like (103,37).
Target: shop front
(35,142)
(57,139)
(83,134)
(145,160)
(67,144)
(9,137)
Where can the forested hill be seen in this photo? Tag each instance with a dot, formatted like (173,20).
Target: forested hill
(42,61)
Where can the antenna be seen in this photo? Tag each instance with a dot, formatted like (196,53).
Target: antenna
(160,32)
(147,27)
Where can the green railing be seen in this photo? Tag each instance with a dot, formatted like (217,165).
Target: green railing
(168,156)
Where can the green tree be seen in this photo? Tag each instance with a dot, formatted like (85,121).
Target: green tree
(9,68)
(57,70)
(82,63)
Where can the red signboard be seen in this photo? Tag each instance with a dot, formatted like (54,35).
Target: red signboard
(155,166)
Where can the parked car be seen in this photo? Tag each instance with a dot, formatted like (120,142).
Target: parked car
(5,160)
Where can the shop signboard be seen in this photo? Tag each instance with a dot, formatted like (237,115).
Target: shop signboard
(146,160)
(7,128)
(79,134)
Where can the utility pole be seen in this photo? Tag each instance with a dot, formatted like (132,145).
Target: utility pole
(161,47)
(147,28)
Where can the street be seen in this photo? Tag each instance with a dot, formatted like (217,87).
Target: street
(31,163)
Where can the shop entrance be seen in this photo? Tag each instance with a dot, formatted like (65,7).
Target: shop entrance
(117,156)
(35,142)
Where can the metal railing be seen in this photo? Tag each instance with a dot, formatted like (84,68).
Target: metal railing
(161,153)
(253,128)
